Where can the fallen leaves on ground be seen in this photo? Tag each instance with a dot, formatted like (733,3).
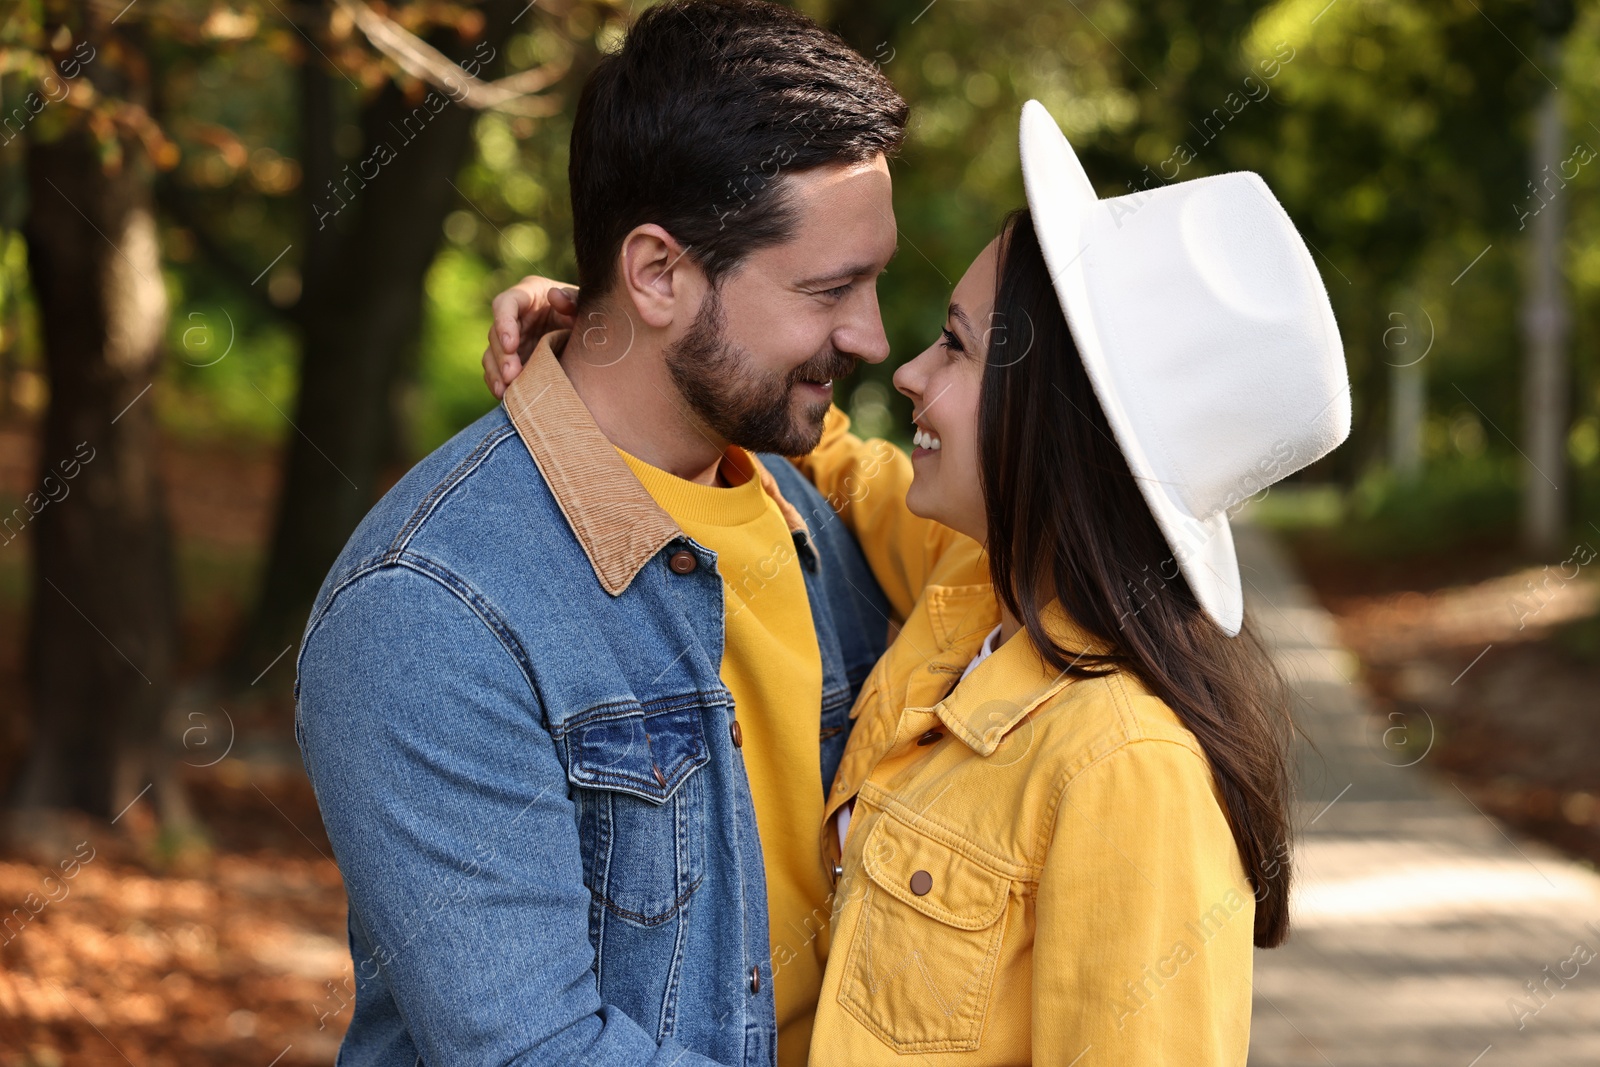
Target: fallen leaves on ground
(1490,668)
(107,959)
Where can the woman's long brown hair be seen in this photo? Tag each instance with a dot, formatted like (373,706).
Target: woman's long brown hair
(1066,521)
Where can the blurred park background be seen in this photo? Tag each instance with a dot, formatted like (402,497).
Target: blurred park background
(246,253)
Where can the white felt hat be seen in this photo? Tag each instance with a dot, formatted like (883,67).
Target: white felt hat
(1208,335)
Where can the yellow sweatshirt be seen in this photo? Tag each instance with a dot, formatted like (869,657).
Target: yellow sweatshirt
(771,664)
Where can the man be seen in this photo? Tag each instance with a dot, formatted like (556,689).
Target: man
(572,694)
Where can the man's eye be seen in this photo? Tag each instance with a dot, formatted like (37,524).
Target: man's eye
(838,291)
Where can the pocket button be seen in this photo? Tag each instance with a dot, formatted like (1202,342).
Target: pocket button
(921,882)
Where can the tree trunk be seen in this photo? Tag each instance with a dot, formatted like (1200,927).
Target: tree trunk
(1545,322)
(373,229)
(100,659)
(1408,410)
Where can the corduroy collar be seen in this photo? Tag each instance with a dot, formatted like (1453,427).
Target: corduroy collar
(614,518)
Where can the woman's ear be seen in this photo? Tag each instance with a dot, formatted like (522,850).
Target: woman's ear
(655,275)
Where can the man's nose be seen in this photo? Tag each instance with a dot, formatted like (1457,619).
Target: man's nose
(863,335)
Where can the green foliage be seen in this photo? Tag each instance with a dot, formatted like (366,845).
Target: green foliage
(449,392)
(1455,502)
(1458,500)
(1394,134)
(232,370)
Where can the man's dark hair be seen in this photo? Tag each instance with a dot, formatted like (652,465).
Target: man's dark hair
(695,122)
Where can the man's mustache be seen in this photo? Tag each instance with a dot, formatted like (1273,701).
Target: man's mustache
(828,366)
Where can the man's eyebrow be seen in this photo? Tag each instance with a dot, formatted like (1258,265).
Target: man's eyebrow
(855,270)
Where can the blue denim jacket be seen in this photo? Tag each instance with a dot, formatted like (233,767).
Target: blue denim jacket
(510,705)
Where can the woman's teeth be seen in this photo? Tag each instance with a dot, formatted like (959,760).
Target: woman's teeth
(925,439)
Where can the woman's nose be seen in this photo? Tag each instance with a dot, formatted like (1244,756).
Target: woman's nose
(908,380)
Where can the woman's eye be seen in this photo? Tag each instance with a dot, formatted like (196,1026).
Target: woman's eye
(950,340)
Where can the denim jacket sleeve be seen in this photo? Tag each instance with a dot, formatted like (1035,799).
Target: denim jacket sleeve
(448,809)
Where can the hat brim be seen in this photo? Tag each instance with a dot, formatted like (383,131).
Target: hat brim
(1061,199)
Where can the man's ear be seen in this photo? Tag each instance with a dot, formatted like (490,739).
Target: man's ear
(656,277)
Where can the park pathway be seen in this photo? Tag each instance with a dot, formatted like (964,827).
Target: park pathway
(1419,922)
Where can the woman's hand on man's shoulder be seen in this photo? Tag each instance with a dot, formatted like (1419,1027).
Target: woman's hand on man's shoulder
(524,313)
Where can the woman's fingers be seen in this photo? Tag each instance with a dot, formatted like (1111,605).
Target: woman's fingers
(549,307)
(507,308)
(521,315)
(564,304)
(490,378)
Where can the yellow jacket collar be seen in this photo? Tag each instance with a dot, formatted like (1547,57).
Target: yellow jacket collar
(1008,685)
(614,518)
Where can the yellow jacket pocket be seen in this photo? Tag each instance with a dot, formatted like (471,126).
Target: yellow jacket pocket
(922,958)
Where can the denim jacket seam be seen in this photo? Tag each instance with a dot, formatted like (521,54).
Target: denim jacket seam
(641,918)
(445,579)
(1141,730)
(424,510)
(407,531)
(622,777)
(475,601)
(838,693)
(325,605)
(622,709)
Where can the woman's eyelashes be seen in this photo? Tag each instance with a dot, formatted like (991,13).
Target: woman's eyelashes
(950,341)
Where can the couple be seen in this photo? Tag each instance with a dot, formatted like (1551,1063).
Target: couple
(640,743)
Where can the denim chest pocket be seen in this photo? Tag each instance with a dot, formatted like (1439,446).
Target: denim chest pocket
(921,962)
(641,808)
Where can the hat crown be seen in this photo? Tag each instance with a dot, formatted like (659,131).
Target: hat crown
(1227,361)
(1208,335)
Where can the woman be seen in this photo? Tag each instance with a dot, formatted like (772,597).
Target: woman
(1061,822)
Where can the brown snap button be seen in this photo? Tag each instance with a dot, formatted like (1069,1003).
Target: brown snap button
(921,882)
(738,734)
(755,979)
(930,737)
(683,562)
(661,779)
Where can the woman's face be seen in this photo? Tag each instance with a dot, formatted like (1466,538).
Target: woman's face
(943,383)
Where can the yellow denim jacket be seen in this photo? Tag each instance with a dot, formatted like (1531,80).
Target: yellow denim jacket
(1038,868)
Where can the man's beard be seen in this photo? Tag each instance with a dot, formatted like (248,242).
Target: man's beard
(744,406)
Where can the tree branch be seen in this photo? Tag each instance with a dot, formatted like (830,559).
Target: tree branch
(513,94)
